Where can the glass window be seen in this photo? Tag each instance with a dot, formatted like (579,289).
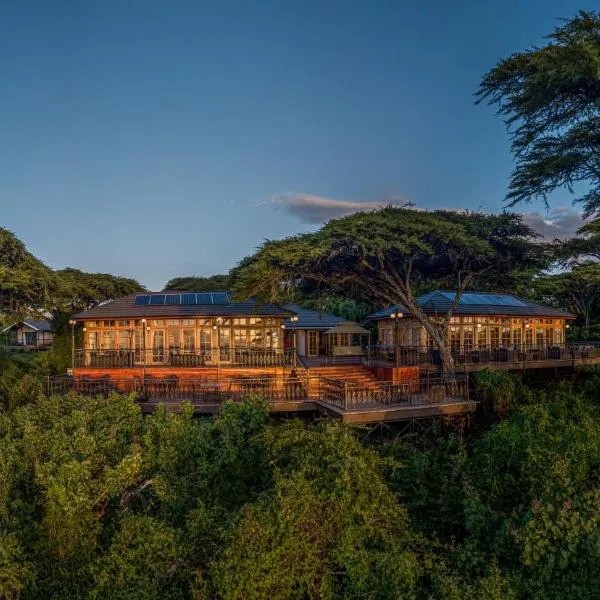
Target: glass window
(482,336)
(558,336)
(468,338)
(123,323)
(517,338)
(240,339)
(93,340)
(91,324)
(239,321)
(173,322)
(494,337)
(173,338)
(529,337)
(188,322)
(109,323)
(506,336)
(108,340)
(189,339)
(255,321)
(256,338)
(159,322)
(205,339)
(124,340)
(455,338)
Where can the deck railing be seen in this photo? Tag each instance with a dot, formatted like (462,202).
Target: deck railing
(179,358)
(198,391)
(418,392)
(405,356)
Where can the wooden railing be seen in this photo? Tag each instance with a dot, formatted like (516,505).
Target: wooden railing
(470,355)
(418,392)
(178,358)
(166,389)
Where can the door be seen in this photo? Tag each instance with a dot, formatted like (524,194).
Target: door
(30,338)
(158,345)
(313,343)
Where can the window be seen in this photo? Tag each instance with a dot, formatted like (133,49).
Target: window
(123,323)
(205,339)
(109,323)
(108,340)
(255,321)
(468,338)
(494,337)
(558,336)
(506,336)
(173,322)
(188,322)
(256,338)
(189,339)
(173,338)
(91,324)
(124,340)
(158,322)
(240,338)
(93,340)
(455,338)
(386,336)
(482,336)
(516,338)
(549,335)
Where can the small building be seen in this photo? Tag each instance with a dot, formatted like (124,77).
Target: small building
(479,321)
(29,334)
(181,329)
(319,333)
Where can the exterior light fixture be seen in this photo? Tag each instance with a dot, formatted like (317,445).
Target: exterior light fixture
(478,325)
(283,326)
(396,315)
(567,326)
(294,318)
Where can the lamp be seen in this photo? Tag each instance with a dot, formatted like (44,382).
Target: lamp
(72,324)
(396,316)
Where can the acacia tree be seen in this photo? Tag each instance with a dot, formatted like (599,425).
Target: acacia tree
(577,290)
(550,98)
(389,254)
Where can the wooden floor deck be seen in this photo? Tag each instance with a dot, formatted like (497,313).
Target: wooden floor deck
(360,415)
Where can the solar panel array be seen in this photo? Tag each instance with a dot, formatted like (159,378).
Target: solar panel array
(486,299)
(204,298)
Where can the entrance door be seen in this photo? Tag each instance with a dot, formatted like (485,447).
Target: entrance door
(158,346)
(313,343)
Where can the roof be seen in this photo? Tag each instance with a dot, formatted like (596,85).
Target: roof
(348,327)
(311,319)
(37,324)
(179,304)
(476,303)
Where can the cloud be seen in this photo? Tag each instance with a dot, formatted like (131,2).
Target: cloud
(560,223)
(318,209)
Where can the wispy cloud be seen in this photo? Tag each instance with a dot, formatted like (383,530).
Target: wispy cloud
(318,209)
(560,223)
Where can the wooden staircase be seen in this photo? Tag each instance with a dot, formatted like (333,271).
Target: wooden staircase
(352,374)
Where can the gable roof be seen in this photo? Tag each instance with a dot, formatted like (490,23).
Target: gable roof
(439,302)
(311,319)
(36,324)
(176,306)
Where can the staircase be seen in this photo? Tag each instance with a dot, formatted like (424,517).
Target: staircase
(352,374)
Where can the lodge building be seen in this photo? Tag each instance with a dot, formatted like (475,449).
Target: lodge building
(207,348)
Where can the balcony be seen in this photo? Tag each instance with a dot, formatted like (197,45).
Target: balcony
(471,358)
(177,358)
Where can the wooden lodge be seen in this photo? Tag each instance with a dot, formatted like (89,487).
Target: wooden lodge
(204,347)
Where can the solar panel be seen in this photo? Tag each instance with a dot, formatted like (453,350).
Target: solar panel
(204,299)
(173,299)
(157,299)
(188,298)
(220,298)
(142,300)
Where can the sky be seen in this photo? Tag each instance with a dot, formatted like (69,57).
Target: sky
(156,139)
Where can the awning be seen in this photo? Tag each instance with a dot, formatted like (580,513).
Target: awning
(348,327)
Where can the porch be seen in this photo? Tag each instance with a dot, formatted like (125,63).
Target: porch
(353,402)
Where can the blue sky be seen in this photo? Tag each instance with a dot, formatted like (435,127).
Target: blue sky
(155,139)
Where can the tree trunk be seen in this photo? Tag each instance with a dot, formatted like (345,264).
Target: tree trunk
(439,335)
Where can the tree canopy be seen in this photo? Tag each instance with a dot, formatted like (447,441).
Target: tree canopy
(198,284)
(550,99)
(390,255)
(27,285)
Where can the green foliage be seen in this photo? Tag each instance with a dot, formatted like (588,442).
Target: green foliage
(550,95)
(389,254)
(499,392)
(198,284)
(27,286)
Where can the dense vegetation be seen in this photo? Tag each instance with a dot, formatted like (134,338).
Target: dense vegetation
(97,501)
